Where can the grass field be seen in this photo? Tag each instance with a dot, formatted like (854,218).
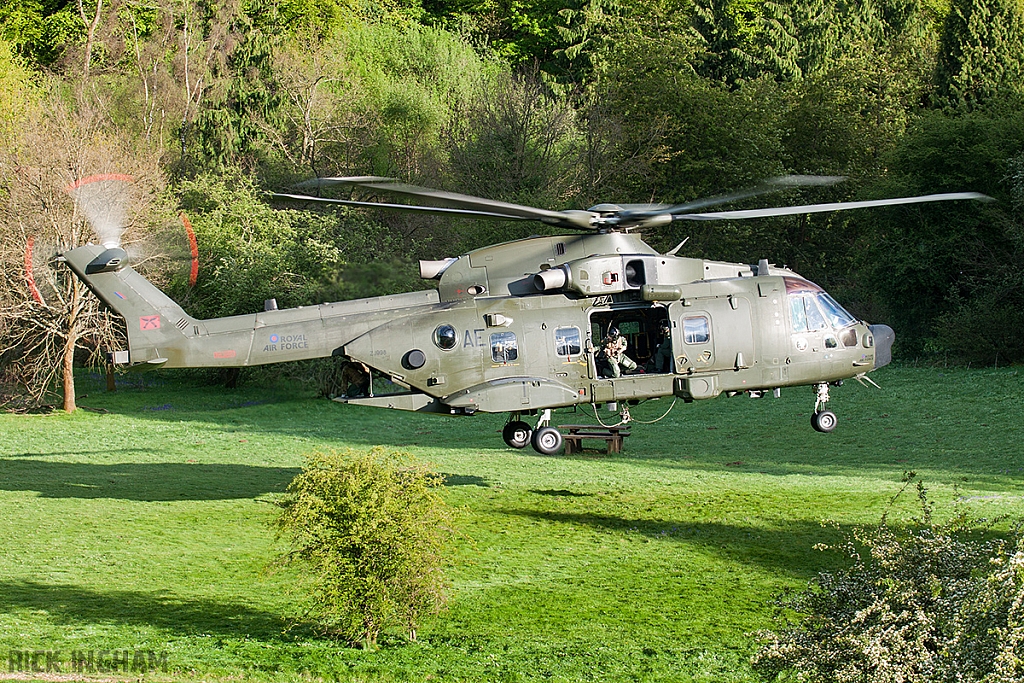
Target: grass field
(147,527)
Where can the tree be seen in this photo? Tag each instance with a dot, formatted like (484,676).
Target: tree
(680,137)
(250,251)
(47,314)
(325,119)
(519,144)
(91,23)
(982,53)
(373,532)
(948,278)
(40,32)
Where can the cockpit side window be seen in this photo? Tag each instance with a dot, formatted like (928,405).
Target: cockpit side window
(797,313)
(836,314)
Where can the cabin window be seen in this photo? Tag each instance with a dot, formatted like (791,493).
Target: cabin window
(696,330)
(568,341)
(445,337)
(504,347)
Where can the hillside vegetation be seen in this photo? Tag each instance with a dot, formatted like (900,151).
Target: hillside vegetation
(562,106)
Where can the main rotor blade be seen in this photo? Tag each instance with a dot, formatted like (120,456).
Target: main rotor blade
(821,208)
(777,184)
(470,205)
(350,180)
(396,207)
(459,201)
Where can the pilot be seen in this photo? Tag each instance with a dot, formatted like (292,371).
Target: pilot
(612,360)
(661,361)
(355,378)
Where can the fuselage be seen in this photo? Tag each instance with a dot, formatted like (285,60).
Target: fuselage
(504,345)
(517,327)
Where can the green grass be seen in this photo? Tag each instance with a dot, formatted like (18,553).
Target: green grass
(147,527)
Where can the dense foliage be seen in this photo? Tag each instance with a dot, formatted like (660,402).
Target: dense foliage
(937,602)
(552,105)
(371,530)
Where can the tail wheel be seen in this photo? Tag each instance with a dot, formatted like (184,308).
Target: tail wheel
(825,421)
(547,440)
(517,434)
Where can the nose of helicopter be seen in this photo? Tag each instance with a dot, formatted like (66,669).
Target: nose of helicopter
(884,337)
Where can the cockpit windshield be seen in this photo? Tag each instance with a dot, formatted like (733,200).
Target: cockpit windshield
(837,316)
(811,308)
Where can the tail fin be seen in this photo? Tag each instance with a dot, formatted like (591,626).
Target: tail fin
(159,331)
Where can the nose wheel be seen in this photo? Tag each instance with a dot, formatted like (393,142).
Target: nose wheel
(823,420)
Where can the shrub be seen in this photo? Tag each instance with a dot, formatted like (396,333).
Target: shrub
(936,602)
(373,531)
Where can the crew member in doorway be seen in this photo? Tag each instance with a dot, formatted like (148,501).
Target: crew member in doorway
(661,361)
(355,378)
(612,360)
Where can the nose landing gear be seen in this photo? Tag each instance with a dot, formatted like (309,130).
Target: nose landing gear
(823,420)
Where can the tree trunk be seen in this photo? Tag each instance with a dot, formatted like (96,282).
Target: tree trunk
(69,376)
(90,27)
(68,370)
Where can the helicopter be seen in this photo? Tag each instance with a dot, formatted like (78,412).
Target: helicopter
(523,327)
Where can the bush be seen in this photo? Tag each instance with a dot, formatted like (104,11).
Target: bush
(938,602)
(373,532)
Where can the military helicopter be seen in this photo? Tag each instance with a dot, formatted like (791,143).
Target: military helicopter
(518,327)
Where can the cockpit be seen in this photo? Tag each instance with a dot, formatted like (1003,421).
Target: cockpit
(812,309)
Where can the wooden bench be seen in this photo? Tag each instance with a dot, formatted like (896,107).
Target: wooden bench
(612,436)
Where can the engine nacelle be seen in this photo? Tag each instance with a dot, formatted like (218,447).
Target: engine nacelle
(596,275)
(552,279)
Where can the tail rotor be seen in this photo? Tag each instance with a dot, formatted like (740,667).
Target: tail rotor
(103,199)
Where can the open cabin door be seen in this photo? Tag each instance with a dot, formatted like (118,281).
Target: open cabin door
(641,327)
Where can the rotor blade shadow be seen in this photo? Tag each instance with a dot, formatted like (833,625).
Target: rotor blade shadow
(68,604)
(789,550)
(143,481)
(464,480)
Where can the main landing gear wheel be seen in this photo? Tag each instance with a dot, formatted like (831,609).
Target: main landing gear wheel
(517,434)
(547,440)
(825,421)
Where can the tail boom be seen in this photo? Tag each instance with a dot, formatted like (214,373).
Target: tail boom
(161,334)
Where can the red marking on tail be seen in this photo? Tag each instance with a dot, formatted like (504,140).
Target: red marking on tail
(194,247)
(28,271)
